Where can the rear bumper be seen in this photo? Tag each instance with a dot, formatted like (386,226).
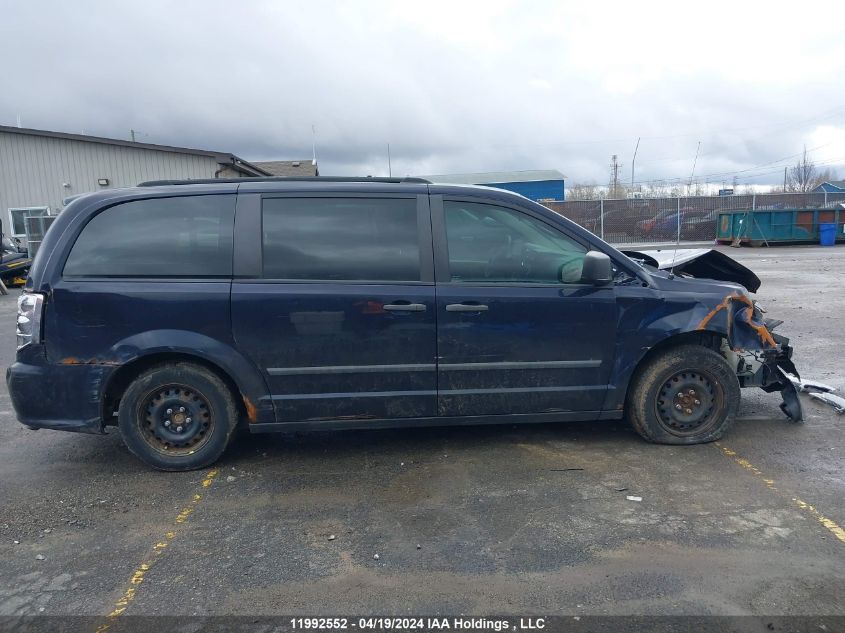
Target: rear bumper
(62,397)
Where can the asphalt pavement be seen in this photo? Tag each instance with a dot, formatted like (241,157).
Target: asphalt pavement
(531,519)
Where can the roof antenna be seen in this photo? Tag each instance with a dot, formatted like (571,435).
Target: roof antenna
(678,237)
(313,145)
(677,242)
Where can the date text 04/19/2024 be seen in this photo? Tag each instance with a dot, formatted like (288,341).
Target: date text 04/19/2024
(416,624)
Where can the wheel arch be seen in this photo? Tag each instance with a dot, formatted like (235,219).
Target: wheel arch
(706,338)
(120,380)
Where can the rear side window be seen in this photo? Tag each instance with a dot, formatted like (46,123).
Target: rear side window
(187,236)
(341,239)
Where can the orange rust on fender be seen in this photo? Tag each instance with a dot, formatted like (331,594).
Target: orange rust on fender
(251,411)
(722,306)
(761,330)
(70,360)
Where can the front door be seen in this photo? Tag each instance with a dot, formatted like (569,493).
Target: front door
(518,333)
(340,315)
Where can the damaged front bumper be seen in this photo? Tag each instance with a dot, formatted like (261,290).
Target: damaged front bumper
(769,369)
(761,357)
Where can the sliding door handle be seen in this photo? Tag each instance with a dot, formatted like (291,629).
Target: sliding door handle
(466,307)
(404,307)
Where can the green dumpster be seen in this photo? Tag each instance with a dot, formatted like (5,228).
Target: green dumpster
(780,226)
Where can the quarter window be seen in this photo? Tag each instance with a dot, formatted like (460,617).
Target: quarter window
(187,236)
(493,244)
(341,239)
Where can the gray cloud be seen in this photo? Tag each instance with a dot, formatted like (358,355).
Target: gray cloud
(451,86)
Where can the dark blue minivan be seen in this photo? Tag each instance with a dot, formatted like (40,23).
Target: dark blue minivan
(179,311)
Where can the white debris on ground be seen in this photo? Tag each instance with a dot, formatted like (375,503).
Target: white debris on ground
(819,391)
(809,386)
(828,398)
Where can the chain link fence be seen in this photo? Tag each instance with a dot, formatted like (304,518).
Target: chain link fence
(693,219)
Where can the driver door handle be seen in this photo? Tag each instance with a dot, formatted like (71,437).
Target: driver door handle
(466,307)
(404,307)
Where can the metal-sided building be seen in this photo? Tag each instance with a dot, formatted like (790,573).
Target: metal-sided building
(546,185)
(39,169)
(831,186)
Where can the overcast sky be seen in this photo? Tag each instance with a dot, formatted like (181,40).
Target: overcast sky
(452,86)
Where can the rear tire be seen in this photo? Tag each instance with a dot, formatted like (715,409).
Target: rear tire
(684,395)
(177,416)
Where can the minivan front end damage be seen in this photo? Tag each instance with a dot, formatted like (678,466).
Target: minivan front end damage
(760,357)
(768,369)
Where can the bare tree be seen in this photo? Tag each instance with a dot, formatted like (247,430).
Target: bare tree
(826,175)
(583,191)
(803,177)
(661,189)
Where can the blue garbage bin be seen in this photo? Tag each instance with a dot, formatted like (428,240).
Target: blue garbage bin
(827,234)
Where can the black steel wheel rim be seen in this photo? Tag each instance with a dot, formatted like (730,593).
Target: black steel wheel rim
(688,403)
(175,419)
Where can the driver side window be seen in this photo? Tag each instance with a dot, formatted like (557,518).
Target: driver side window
(493,244)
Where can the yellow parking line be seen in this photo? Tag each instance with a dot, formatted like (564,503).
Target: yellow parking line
(747,465)
(142,569)
(837,531)
(831,525)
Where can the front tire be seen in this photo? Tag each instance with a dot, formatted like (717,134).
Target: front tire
(684,395)
(177,416)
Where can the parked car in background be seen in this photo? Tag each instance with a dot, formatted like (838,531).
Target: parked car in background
(664,225)
(647,227)
(179,311)
(700,228)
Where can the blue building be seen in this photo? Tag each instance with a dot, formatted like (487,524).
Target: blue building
(831,186)
(546,185)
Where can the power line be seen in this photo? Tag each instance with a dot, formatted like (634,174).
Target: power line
(777,127)
(733,172)
(824,163)
(716,177)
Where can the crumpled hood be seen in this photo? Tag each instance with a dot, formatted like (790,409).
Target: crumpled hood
(701,263)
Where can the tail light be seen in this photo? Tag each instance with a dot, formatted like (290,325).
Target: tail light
(30,305)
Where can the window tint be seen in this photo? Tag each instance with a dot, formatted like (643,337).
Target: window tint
(493,244)
(161,237)
(341,239)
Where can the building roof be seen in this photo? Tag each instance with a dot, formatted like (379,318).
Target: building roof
(224,158)
(839,184)
(304,167)
(490,177)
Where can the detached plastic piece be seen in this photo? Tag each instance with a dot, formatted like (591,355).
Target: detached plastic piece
(791,404)
(809,386)
(828,398)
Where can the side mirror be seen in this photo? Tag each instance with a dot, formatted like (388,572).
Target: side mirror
(597,269)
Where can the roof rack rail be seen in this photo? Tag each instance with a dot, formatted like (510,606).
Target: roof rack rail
(213,181)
